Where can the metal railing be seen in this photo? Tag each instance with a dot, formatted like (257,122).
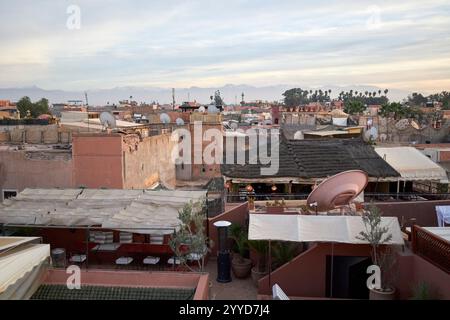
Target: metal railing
(96,258)
(368,196)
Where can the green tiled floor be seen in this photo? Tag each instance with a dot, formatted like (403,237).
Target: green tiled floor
(61,292)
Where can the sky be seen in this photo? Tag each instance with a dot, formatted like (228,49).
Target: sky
(390,44)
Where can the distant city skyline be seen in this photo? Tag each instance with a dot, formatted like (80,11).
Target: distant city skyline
(388,44)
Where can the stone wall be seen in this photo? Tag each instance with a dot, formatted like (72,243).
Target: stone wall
(148,161)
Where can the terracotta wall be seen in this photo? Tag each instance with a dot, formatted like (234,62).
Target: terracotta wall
(423,211)
(22,169)
(414,270)
(137,279)
(238,214)
(305,275)
(98,160)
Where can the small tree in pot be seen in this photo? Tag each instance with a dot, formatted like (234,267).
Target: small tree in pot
(383,257)
(260,270)
(240,265)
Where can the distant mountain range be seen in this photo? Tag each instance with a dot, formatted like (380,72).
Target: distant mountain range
(230,93)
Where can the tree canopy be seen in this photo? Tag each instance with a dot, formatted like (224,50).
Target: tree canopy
(32,109)
(400,111)
(354,107)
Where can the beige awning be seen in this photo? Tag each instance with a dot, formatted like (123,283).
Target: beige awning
(19,268)
(302,228)
(412,164)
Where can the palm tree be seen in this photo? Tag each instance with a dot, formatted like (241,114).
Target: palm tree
(386,92)
(379,92)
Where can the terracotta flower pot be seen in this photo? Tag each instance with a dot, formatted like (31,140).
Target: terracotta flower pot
(388,294)
(256,275)
(274,210)
(241,267)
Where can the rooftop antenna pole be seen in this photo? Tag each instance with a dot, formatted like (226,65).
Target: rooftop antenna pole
(173,98)
(87,107)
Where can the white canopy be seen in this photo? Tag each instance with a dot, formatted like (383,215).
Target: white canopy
(412,164)
(20,267)
(302,228)
(139,211)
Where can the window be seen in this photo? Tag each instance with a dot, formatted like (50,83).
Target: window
(9,194)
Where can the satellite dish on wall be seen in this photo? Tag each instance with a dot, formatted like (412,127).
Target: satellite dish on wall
(371,134)
(213,109)
(107,120)
(337,191)
(234,125)
(179,122)
(201,109)
(415,125)
(164,117)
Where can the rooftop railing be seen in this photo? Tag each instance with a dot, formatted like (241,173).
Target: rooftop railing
(432,248)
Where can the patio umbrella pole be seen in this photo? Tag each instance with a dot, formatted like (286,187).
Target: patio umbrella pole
(87,248)
(270,262)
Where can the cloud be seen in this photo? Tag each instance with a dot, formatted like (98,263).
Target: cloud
(202,43)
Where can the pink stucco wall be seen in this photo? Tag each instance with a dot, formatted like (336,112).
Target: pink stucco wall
(97,160)
(22,169)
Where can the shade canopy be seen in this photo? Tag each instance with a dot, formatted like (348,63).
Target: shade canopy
(412,164)
(303,228)
(21,265)
(138,211)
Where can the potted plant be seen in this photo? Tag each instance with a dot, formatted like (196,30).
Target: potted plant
(423,291)
(283,252)
(275,206)
(260,269)
(383,257)
(189,243)
(239,264)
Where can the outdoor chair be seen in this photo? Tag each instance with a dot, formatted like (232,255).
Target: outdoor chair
(443,215)
(125,237)
(278,294)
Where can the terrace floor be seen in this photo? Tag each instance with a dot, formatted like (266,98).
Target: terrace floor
(237,289)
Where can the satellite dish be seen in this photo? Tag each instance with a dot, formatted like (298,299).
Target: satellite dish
(415,125)
(371,134)
(107,120)
(234,125)
(164,117)
(212,109)
(179,122)
(201,109)
(337,191)
(298,135)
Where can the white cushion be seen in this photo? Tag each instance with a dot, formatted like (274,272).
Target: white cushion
(124,260)
(78,258)
(151,260)
(171,260)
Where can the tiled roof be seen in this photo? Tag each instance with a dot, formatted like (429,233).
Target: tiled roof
(317,158)
(61,292)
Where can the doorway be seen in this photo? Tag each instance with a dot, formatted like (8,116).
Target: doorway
(347,279)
